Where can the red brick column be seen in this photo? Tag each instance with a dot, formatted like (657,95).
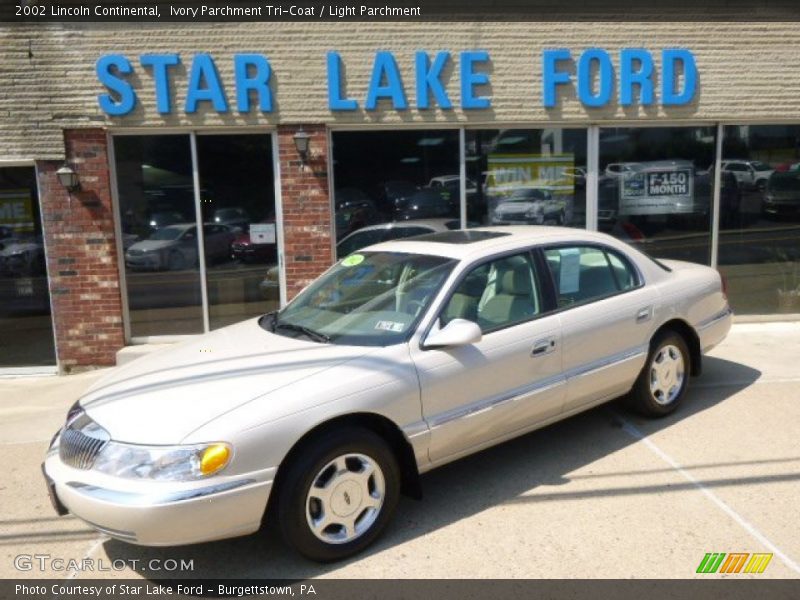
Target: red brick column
(81,254)
(307,226)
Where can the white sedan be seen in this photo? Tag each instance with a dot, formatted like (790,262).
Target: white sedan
(402,357)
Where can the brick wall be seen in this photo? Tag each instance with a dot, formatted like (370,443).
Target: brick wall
(307,226)
(81,252)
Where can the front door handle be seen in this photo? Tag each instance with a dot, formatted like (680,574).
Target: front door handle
(542,347)
(644,314)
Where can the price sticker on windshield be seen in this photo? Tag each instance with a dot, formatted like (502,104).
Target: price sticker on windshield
(353,260)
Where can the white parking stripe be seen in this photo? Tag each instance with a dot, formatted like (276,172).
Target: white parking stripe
(74,572)
(634,432)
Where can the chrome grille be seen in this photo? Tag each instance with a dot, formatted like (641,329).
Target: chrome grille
(79,450)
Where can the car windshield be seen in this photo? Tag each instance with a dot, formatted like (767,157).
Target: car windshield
(760,166)
(367,299)
(168,233)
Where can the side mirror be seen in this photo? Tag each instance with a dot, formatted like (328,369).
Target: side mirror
(458,332)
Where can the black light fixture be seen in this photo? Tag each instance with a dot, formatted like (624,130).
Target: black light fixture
(301,142)
(68,178)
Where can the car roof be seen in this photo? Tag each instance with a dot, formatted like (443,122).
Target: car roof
(506,238)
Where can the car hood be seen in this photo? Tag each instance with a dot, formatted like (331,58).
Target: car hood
(151,245)
(164,396)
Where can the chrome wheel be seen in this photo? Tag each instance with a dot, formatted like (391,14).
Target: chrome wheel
(667,374)
(345,498)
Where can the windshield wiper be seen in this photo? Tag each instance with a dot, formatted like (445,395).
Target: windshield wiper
(314,335)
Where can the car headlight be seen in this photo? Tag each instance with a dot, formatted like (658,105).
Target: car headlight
(163,463)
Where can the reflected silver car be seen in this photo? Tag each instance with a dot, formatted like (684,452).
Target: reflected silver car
(402,357)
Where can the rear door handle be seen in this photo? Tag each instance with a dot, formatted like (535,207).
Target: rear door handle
(542,347)
(644,314)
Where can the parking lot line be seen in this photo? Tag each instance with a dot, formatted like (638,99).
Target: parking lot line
(634,432)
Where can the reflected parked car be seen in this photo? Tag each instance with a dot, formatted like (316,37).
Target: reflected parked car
(158,220)
(782,196)
(749,173)
(354,210)
(175,247)
(234,217)
(243,249)
(530,206)
(401,358)
(22,256)
(428,203)
(383,232)
(394,192)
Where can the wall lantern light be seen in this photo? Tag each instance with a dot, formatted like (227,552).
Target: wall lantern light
(301,142)
(68,178)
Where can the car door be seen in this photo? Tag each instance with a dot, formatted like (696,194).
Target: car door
(606,320)
(509,380)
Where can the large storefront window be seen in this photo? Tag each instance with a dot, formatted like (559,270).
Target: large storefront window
(238,205)
(655,189)
(759,241)
(26,326)
(161,240)
(391,184)
(526,177)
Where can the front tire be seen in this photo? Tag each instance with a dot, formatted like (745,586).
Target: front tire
(662,384)
(338,495)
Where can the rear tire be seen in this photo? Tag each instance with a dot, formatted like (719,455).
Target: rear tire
(338,495)
(662,384)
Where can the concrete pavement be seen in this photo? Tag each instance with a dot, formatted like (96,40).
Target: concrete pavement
(604,494)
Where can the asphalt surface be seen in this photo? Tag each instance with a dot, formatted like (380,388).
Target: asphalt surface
(601,495)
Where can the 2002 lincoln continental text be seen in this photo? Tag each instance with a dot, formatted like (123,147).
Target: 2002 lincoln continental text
(400,358)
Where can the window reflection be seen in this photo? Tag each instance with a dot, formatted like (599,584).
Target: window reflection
(526,177)
(655,189)
(240,242)
(159,234)
(26,327)
(394,184)
(759,249)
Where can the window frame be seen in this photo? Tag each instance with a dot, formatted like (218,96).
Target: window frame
(545,295)
(605,248)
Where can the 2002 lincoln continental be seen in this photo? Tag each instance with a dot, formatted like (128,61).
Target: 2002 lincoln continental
(399,359)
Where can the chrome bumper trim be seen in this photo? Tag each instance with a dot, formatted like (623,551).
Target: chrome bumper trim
(135,499)
(128,536)
(706,323)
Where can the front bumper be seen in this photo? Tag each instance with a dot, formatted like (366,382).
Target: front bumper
(150,260)
(156,513)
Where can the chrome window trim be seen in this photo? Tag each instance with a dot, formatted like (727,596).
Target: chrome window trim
(706,323)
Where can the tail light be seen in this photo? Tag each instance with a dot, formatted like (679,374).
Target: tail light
(724,284)
(633,232)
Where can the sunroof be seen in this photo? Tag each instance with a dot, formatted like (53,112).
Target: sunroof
(460,236)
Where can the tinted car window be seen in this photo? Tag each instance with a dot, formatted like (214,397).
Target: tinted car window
(496,294)
(585,273)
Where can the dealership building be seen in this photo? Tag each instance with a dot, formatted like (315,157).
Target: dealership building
(161,180)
